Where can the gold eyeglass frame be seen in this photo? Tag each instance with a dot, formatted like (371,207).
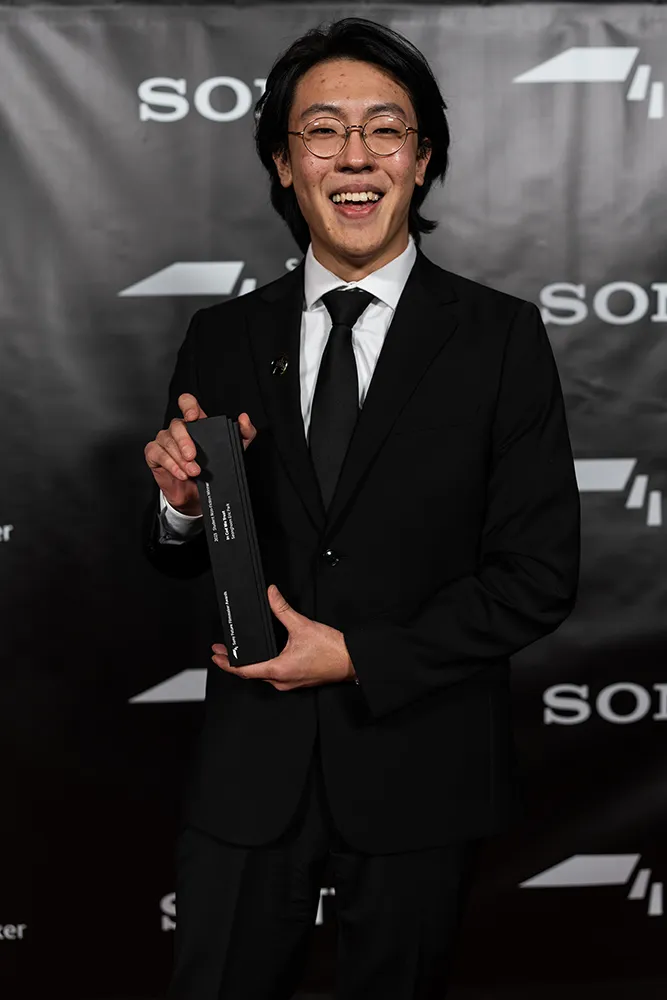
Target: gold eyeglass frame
(348,130)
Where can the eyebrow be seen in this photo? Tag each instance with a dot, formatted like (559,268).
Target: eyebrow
(334,109)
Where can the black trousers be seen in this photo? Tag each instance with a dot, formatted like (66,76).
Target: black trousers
(245,916)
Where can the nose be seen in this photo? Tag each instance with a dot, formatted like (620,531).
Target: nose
(355,156)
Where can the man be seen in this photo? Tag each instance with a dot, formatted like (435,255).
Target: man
(417,512)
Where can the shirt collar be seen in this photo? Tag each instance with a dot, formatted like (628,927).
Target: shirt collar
(386,284)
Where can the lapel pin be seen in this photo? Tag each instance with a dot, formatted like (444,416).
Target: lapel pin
(279,365)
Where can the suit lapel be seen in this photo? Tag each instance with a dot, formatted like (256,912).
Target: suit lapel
(275,332)
(422,324)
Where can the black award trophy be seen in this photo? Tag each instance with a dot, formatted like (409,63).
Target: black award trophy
(232,541)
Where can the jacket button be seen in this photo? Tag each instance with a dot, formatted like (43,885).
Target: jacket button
(330,557)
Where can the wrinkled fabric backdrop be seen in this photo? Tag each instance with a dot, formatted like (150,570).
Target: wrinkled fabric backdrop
(131,197)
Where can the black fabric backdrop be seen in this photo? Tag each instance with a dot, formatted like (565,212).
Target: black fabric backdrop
(126,144)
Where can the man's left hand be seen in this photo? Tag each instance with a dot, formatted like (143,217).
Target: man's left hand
(314,654)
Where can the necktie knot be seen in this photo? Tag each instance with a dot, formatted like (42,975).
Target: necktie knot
(345,307)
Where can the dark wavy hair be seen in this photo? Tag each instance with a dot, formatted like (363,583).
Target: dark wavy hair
(351,38)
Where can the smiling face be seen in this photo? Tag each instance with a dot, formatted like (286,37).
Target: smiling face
(352,237)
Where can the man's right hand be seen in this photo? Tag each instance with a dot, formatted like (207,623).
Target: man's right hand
(171,456)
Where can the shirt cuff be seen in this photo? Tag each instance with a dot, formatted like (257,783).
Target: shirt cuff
(178,525)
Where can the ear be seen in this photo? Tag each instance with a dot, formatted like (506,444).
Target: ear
(284,167)
(423,156)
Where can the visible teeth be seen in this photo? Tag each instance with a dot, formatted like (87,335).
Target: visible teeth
(355,196)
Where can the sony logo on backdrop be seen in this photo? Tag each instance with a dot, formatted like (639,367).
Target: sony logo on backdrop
(168,912)
(621,703)
(619,303)
(220,98)
(168,909)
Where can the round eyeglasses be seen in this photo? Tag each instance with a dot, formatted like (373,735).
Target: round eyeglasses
(382,135)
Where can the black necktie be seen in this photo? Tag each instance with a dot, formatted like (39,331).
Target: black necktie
(336,400)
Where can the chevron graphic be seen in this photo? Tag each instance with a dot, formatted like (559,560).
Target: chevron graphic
(216,277)
(586,870)
(189,685)
(603,475)
(604,64)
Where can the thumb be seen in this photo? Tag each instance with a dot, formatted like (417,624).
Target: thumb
(190,408)
(283,611)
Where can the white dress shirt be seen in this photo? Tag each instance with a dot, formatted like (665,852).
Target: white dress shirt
(385,285)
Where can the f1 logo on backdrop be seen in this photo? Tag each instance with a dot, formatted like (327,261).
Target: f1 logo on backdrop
(596,870)
(602,64)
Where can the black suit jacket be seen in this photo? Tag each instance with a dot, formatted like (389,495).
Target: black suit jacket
(454,530)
